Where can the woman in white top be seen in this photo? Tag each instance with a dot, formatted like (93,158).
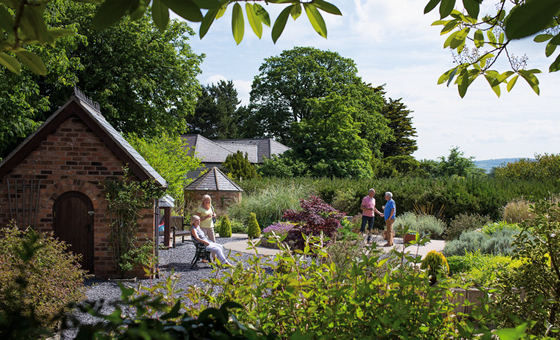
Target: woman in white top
(200,236)
(206,212)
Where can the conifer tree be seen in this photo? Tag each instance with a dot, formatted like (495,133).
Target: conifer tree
(253,229)
(225,227)
(401,124)
(237,166)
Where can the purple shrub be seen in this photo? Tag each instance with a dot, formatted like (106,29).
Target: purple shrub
(280,228)
(315,217)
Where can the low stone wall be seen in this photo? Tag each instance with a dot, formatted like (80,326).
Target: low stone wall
(266,244)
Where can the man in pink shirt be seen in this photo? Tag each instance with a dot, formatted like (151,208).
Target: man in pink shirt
(368,212)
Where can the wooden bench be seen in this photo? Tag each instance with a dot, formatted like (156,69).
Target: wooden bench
(181,233)
(201,253)
(179,229)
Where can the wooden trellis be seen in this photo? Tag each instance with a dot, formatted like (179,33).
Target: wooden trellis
(23,201)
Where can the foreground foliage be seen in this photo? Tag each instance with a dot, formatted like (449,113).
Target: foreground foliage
(38,279)
(479,40)
(538,246)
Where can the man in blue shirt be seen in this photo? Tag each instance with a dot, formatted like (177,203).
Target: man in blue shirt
(390,211)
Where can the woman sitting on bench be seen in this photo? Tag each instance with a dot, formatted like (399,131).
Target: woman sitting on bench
(200,236)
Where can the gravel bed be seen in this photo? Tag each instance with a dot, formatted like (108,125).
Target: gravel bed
(177,259)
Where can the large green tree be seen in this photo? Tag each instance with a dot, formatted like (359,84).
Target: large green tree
(144,80)
(329,141)
(286,85)
(216,114)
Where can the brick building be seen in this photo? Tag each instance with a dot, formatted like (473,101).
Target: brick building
(53,181)
(215,183)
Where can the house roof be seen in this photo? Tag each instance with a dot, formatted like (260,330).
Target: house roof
(88,111)
(216,151)
(213,180)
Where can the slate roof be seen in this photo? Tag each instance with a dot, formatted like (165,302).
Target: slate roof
(89,113)
(213,180)
(216,151)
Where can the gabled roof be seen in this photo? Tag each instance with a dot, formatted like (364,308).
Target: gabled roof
(216,151)
(213,180)
(88,111)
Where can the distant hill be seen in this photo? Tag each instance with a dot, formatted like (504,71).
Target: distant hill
(492,163)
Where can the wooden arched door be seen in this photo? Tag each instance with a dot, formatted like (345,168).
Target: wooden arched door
(73,223)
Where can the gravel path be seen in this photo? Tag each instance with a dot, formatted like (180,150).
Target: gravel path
(177,259)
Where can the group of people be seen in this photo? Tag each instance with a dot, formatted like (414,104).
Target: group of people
(202,224)
(202,229)
(389,212)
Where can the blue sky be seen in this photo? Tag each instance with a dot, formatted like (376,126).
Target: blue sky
(393,43)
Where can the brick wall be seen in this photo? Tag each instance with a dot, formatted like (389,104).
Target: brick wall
(72,158)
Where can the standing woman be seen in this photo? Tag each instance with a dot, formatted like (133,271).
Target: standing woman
(206,213)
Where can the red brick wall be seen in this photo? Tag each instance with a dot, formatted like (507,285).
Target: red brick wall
(73,158)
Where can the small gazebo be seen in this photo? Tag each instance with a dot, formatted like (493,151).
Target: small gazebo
(215,183)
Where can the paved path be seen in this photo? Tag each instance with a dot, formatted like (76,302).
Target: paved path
(437,245)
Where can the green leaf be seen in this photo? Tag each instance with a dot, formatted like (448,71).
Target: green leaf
(511,83)
(32,20)
(280,23)
(10,63)
(431,5)
(472,7)
(555,66)
(549,49)
(502,77)
(502,38)
(138,11)
(207,21)
(6,20)
(296,11)
(262,13)
(316,19)
(445,76)
(449,26)
(556,40)
(463,83)
(254,20)
(327,7)
(109,13)
(491,37)
(478,39)
(185,9)
(221,12)
(449,39)
(446,8)
(33,62)
(494,84)
(531,80)
(459,38)
(452,75)
(237,23)
(530,18)
(542,37)
(160,14)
